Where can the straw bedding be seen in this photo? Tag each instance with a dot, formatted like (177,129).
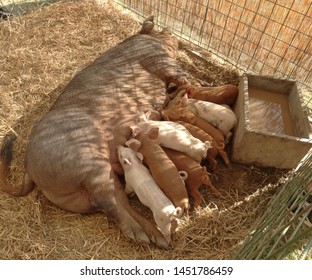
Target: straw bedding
(40,52)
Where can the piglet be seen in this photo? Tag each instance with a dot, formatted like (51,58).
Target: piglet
(216,149)
(175,136)
(139,180)
(197,175)
(120,134)
(178,113)
(226,94)
(164,172)
(222,117)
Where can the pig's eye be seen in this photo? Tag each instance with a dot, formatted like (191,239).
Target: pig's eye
(172,89)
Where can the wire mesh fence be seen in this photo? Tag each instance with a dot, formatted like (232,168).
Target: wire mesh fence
(281,226)
(266,37)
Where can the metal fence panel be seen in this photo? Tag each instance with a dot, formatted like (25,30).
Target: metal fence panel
(266,37)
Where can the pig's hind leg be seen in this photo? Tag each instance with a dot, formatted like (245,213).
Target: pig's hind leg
(109,196)
(150,229)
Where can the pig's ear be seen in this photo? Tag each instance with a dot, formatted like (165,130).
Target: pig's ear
(139,156)
(134,144)
(153,133)
(144,117)
(126,161)
(135,130)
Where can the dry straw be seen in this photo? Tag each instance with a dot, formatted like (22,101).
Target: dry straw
(40,52)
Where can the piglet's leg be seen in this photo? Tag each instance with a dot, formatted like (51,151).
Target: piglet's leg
(207,182)
(212,162)
(196,195)
(129,189)
(225,157)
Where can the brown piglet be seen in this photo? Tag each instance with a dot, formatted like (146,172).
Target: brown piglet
(216,148)
(163,170)
(226,94)
(120,134)
(197,175)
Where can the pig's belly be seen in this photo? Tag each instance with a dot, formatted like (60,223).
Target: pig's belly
(64,147)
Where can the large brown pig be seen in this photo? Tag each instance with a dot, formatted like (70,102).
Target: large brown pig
(68,156)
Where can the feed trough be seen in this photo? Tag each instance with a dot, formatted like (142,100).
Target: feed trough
(273,128)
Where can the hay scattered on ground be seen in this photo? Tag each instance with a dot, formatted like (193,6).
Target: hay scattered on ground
(41,51)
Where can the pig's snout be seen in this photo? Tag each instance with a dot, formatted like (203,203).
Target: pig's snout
(178,212)
(123,156)
(174,220)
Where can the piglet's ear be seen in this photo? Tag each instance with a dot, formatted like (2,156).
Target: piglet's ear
(144,117)
(148,115)
(135,130)
(165,115)
(141,116)
(134,144)
(184,100)
(126,161)
(153,133)
(139,156)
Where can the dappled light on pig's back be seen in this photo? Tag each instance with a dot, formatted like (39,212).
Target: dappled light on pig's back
(56,153)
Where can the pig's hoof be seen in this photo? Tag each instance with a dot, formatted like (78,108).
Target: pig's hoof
(141,238)
(136,234)
(161,242)
(145,234)
(157,238)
